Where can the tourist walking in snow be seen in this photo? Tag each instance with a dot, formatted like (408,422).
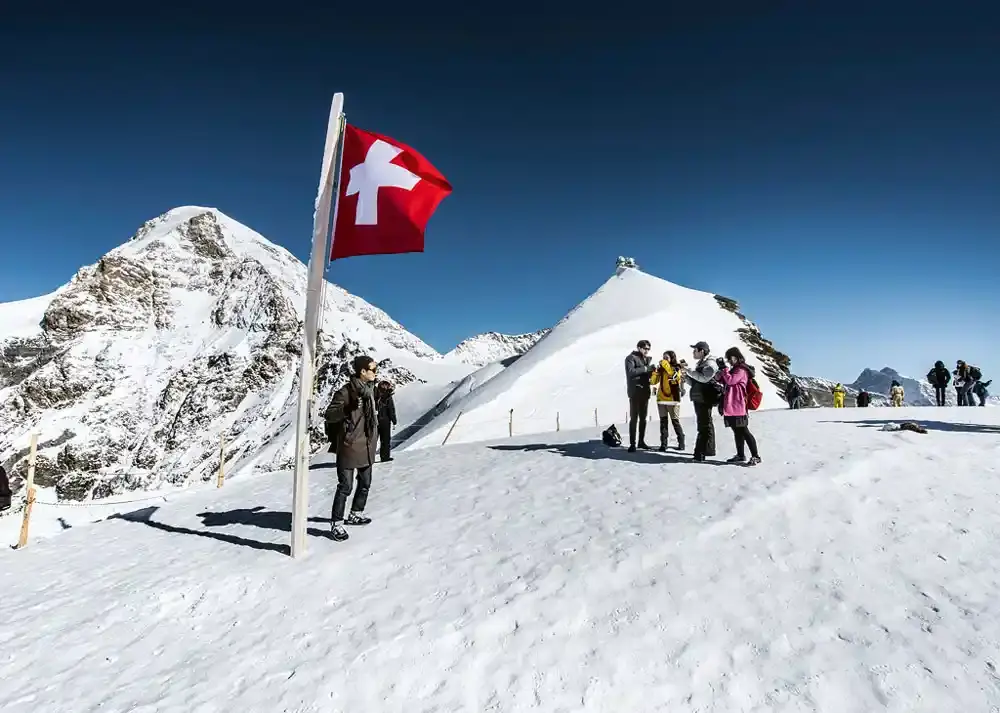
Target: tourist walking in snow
(735,414)
(863,400)
(351,426)
(896,393)
(839,392)
(939,378)
(5,493)
(705,395)
(638,370)
(667,379)
(386,408)
(981,390)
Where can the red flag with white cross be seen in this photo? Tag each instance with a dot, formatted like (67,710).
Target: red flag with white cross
(388,192)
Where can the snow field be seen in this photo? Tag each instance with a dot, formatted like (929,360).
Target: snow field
(854,570)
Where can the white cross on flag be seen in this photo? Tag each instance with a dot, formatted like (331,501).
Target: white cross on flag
(388,192)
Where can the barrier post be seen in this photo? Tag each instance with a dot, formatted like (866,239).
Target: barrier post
(557,421)
(222,460)
(597,424)
(510,424)
(453,424)
(22,541)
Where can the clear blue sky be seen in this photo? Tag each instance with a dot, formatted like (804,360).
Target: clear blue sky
(835,168)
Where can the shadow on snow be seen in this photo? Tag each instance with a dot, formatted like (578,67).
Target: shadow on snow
(253,517)
(929,425)
(596,450)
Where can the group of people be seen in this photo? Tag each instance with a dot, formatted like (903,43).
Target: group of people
(966,378)
(360,418)
(728,385)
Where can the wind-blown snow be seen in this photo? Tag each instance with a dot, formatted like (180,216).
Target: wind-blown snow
(854,570)
(579,366)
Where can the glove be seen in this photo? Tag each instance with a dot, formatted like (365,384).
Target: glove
(720,363)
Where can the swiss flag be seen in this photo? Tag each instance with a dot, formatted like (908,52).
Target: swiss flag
(388,192)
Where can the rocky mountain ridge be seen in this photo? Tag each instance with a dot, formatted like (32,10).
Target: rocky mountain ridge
(491,347)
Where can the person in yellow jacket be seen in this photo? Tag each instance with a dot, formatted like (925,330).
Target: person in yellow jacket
(896,394)
(839,392)
(667,378)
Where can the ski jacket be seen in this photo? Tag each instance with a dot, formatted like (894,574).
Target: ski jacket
(669,381)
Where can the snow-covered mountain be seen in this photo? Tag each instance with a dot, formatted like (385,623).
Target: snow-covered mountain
(492,347)
(186,336)
(819,392)
(575,376)
(877,383)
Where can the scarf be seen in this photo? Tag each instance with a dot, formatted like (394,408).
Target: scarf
(366,396)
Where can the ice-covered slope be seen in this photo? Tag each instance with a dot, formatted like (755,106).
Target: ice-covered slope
(189,333)
(578,367)
(492,347)
(854,570)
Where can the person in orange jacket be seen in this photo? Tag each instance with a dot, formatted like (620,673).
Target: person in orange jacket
(667,378)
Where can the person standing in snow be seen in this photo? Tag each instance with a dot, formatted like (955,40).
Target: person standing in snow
(386,408)
(839,392)
(705,395)
(939,378)
(963,383)
(5,492)
(638,368)
(864,399)
(793,394)
(981,390)
(668,399)
(736,376)
(351,423)
(975,374)
(896,393)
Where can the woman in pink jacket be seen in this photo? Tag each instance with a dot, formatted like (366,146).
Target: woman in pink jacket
(736,376)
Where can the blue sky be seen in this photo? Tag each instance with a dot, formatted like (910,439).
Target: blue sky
(832,167)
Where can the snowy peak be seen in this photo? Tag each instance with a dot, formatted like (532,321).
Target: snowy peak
(185,336)
(492,347)
(574,377)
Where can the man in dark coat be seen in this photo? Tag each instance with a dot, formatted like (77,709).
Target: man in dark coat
(939,377)
(638,370)
(705,395)
(5,493)
(863,399)
(351,426)
(386,407)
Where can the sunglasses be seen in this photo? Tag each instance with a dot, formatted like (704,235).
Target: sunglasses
(373,369)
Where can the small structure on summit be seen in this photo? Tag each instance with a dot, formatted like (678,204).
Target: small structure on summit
(625,263)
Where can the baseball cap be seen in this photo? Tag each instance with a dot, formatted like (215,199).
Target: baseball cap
(701,346)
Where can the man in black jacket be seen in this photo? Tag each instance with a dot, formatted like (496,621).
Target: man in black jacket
(705,397)
(863,399)
(638,368)
(386,408)
(5,493)
(939,377)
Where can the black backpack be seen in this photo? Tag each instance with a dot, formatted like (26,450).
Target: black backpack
(611,437)
(975,373)
(713,392)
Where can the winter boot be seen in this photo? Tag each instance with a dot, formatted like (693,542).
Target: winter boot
(737,459)
(754,460)
(357,518)
(338,532)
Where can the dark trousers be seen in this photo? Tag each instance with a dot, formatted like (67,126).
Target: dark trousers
(970,397)
(743,439)
(345,484)
(638,412)
(384,439)
(939,393)
(669,416)
(705,445)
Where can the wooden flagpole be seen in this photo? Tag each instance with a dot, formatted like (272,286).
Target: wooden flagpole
(326,204)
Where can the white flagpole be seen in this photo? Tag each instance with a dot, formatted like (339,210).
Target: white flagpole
(326,199)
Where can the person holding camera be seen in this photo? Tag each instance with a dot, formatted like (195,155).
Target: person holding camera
(706,393)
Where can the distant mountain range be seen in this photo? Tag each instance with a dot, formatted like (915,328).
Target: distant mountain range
(878,383)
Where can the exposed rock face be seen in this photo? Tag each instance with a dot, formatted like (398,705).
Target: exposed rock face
(776,365)
(492,347)
(187,335)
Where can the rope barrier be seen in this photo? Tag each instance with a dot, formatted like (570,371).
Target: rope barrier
(98,503)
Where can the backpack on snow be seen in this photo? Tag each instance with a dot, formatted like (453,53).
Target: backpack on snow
(754,394)
(975,373)
(611,437)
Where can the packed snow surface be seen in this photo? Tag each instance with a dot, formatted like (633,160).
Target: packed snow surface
(854,570)
(579,366)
